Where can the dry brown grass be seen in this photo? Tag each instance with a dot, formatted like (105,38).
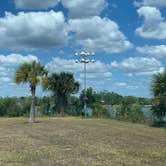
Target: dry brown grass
(79,142)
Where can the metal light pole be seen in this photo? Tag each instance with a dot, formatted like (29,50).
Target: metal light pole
(85,60)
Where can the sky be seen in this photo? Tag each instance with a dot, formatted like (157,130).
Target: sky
(128,38)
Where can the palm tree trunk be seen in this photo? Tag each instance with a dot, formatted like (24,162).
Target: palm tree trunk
(32,110)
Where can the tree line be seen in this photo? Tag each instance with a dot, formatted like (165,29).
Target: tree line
(72,105)
(62,101)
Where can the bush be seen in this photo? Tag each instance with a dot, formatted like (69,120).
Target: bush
(136,116)
(99,111)
(131,113)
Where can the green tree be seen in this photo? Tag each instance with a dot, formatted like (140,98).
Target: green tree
(159,91)
(144,101)
(108,98)
(99,110)
(111,98)
(74,106)
(30,73)
(134,114)
(62,85)
(90,97)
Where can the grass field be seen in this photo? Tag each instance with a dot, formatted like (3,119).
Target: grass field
(79,142)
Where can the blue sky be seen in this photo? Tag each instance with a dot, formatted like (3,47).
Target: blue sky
(128,38)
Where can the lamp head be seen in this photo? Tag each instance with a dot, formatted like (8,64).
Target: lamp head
(93,61)
(76,54)
(76,61)
(82,60)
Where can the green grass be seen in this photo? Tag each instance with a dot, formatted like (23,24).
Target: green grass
(79,142)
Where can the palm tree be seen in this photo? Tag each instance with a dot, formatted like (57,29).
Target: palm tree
(30,73)
(62,85)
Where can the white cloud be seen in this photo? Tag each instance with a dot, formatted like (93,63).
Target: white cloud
(58,65)
(125,85)
(138,66)
(16,59)
(121,84)
(154,3)
(76,8)
(154,25)
(107,75)
(159,51)
(43,30)
(99,34)
(2,69)
(35,4)
(84,8)
(9,63)
(5,71)
(5,79)
(94,70)
(33,30)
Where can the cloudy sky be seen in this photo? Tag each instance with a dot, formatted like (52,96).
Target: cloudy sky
(128,38)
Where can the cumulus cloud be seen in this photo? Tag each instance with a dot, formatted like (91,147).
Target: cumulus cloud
(16,59)
(98,75)
(159,51)
(99,34)
(94,70)
(59,65)
(33,30)
(138,66)
(154,25)
(77,8)
(35,4)
(8,64)
(125,85)
(153,3)
(5,79)
(44,30)
(84,8)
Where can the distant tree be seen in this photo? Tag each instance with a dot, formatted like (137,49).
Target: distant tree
(134,114)
(90,97)
(3,111)
(108,98)
(112,98)
(144,101)
(12,107)
(99,110)
(43,105)
(62,85)
(74,105)
(130,100)
(30,73)
(25,105)
(159,91)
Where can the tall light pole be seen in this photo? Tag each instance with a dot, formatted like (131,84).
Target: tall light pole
(84,58)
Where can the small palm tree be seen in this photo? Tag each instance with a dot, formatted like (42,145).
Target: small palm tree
(30,73)
(62,85)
